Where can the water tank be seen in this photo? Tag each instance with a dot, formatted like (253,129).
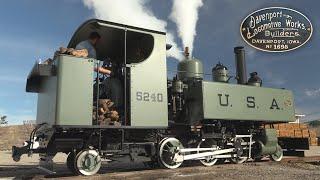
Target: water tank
(220,73)
(190,68)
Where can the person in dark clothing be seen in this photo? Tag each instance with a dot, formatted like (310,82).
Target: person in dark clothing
(113,86)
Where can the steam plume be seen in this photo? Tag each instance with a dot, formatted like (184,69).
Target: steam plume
(134,13)
(185,15)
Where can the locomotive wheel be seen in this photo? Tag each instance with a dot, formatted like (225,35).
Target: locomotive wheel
(209,160)
(70,162)
(258,159)
(238,160)
(235,157)
(277,156)
(87,162)
(167,152)
(221,161)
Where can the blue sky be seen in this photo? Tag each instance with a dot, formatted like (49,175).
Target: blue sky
(34,29)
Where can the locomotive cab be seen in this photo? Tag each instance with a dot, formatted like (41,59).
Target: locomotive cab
(138,58)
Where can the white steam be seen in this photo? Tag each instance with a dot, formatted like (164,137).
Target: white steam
(134,13)
(185,15)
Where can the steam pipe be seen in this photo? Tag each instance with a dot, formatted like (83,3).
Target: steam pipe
(186,52)
(241,65)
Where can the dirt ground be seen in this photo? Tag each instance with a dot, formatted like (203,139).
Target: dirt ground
(27,168)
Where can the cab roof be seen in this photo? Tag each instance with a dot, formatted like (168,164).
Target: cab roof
(112,35)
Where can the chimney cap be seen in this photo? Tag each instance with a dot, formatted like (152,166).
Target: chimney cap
(238,49)
(186,51)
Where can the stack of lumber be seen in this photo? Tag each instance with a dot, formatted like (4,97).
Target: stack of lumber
(295,130)
(106,114)
(73,52)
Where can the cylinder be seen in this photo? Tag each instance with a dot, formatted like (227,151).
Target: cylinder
(241,65)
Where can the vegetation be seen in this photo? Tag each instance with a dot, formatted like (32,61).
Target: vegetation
(315,123)
(3,120)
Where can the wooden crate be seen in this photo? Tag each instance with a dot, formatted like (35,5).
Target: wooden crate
(305,133)
(298,133)
(291,133)
(282,126)
(284,133)
(296,125)
(313,141)
(290,126)
(303,126)
(267,126)
(312,133)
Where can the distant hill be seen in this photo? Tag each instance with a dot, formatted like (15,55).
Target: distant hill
(14,135)
(314,123)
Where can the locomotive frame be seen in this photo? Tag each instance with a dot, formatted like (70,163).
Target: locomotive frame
(186,120)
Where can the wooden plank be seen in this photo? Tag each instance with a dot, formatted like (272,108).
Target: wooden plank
(305,133)
(313,141)
(296,125)
(298,133)
(303,126)
(290,126)
(312,133)
(286,133)
(291,133)
(282,126)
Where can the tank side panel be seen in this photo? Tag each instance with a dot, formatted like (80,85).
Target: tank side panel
(46,107)
(75,93)
(240,102)
(148,91)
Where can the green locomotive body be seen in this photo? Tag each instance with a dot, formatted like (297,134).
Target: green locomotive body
(163,121)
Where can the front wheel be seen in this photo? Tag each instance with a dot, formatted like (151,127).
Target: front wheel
(278,155)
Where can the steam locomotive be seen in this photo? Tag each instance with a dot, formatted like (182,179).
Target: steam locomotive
(163,122)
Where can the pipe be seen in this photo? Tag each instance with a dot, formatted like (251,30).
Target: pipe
(186,52)
(241,65)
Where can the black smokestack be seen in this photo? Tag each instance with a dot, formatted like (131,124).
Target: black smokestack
(241,65)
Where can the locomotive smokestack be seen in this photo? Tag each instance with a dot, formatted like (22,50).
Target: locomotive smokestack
(186,52)
(241,65)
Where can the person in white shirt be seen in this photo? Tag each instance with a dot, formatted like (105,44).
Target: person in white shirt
(90,46)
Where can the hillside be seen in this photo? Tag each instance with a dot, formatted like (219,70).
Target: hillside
(14,135)
(315,125)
